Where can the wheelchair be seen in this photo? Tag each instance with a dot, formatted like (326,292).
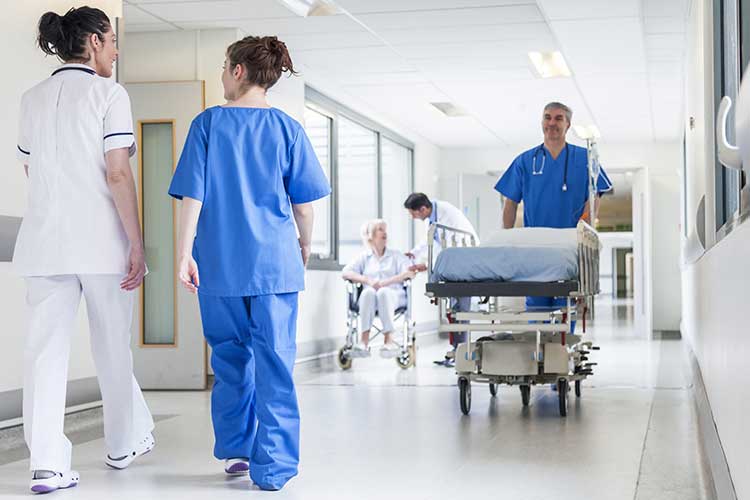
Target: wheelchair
(408,355)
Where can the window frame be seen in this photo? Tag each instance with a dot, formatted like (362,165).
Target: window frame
(334,110)
(728,57)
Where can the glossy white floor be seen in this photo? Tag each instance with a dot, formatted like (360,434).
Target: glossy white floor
(379,432)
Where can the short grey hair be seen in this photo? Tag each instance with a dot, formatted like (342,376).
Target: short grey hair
(558,105)
(367,231)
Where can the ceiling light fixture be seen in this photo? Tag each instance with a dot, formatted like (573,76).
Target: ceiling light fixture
(549,64)
(311,8)
(449,109)
(587,132)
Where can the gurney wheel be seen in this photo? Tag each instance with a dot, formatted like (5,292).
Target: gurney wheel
(464,389)
(343,359)
(493,389)
(408,359)
(525,394)
(578,388)
(562,396)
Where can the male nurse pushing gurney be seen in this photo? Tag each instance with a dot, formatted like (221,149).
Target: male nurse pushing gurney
(552,180)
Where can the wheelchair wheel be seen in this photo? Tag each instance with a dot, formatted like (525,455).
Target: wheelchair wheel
(343,359)
(525,394)
(562,396)
(464,391)
(408,359)
(493,389)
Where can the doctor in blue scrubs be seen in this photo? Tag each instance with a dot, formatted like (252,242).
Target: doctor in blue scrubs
(247,174)
(552,179)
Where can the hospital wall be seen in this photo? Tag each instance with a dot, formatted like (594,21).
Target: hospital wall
(715,282)
(25,66)
(199,54)
(659,164)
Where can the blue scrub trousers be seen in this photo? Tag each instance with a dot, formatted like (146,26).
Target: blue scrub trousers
(459,304)
(549,303)
(253,402)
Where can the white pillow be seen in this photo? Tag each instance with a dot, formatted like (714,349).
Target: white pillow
(533,237)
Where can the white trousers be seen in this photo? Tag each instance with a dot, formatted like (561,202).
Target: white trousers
(384,302)
(53,302)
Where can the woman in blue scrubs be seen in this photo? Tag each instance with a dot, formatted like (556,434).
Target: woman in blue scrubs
(247,173)
(552,180)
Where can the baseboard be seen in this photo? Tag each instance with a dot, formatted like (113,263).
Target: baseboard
(721,484)
(666,335)
(80,392)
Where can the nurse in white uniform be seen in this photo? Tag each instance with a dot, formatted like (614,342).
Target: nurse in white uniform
(80,236)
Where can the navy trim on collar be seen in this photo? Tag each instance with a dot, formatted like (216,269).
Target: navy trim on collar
(74,68)
(21,150)
(117,133)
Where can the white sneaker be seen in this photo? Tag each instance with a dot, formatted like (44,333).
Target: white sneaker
(57,481)
(237,466)
(360,350)
(141,448)
(390,350)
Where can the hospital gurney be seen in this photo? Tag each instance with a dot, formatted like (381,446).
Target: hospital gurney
(519,347)
(407,357)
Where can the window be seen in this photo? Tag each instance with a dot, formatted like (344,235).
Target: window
(396,186)
(731,55)
(319,128)
(357,183)
(371,174)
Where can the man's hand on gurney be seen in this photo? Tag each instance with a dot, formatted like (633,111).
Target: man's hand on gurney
(418,268)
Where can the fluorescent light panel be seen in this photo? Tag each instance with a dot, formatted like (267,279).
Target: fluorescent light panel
(448,109)
(309,8)
(549,64)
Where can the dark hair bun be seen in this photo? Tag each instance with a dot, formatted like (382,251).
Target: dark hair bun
(65,36)
(50,32)
(264,58)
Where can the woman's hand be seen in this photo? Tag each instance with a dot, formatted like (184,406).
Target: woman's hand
(187,272)
(134,278)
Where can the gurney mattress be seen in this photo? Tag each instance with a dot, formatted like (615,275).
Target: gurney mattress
(540,264)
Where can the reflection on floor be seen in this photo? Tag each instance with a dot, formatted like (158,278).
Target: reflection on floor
(377,432)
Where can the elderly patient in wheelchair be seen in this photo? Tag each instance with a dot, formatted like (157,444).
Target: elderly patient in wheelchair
(382,272)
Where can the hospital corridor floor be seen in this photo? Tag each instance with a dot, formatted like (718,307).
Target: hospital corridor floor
(379,432)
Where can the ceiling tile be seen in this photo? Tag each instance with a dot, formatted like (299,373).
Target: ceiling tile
(370,6)
(589,9)
(217,10)
(452,17)
(135,15)
(655,25)
(602,45)
(538,31)
(666,8)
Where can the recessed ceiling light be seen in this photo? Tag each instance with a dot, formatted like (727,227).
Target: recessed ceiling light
(449,109)
(587,131)
(549,64)
(309,8)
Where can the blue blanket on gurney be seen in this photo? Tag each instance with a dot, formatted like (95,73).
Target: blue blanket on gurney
(542,264)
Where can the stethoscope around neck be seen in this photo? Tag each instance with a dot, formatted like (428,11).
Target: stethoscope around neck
(534,171)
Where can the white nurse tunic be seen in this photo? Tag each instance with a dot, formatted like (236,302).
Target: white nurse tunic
(68,122)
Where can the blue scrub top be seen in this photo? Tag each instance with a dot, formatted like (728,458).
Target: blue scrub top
(247,166)
(539,184)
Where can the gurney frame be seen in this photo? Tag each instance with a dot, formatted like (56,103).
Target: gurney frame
(519,347)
